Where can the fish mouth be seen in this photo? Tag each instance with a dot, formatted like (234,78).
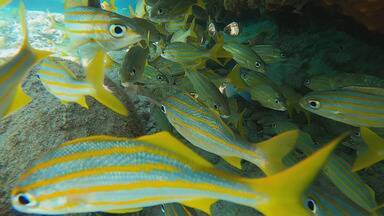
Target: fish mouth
(225,116)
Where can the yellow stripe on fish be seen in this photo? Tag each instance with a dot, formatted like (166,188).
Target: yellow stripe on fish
(196,122)
(357,106)
(13,72)
(62,83)
(152,170)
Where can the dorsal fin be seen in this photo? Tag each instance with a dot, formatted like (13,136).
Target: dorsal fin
(166,141)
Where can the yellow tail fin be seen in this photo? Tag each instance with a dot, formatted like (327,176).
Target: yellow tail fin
(275,149)
(217,51)
(95,76)
(20,100)
(373,154)
(284,191)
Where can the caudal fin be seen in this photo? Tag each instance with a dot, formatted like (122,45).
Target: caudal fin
(373,154)
(284,190)
(217,51)
(275,149)
(95,76)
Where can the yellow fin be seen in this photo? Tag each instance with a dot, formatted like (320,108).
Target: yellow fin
(373,154)
(287,187)
(82,102)
(132,13)
(234,78)
(124,211)
(201,204)
(19,101)
(275,149)
(217,52)
(167,141)
(95,76)
(4,3)
(234,161)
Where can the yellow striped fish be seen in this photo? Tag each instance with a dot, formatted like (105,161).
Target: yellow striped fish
(373,153)
(356,106)
(63,84)
(13,73)
(110,174)
(205,129)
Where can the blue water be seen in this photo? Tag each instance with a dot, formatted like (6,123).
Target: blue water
(58,5)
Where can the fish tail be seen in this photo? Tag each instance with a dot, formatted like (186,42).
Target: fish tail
(217,52)
(286,188)
(191,30)
(39,54)
(275,149)
(95,76)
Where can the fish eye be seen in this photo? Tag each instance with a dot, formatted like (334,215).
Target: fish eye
(274,125)
(160,11)
(307,82)
(243,74)
(314,104)
(283,55)
(163,109)
(25,199)
(38,76)
(257,64)
(216,107)
(311,205)
(357,133)
(277,101)
(117,30)
(159,77)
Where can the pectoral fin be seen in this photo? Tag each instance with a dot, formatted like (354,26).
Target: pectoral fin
(201,204)
(234,161)
(19,101)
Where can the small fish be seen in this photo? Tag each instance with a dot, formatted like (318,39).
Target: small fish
(356,106)
(110,31)
(191,56)
(60,81)
(245,56)
(168,67)
(13,72)
(134,64)
(168,10)
(232,29)
(208,93)
(111,174)
(340,80)
(205,129)
(373,153)
(153,76)
(269,53)
(261,88)
(183,35)
(175,25)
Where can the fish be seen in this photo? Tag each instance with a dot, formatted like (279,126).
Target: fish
(336,81)
(134,64)
(160,119)
(261,88)
(208,93)
(245,56)
(373,153)
(113,174)
(269,54)
(14,71)
(75,3)
(337,170)
(190,55)
(183,35)
(168,67)
(168,10)
(100,29)
(205,129)
(61,82)
(153,76)
(356,106)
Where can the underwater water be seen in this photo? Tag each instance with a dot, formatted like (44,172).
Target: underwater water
(171,107)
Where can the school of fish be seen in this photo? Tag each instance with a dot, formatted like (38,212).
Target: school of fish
(203,85)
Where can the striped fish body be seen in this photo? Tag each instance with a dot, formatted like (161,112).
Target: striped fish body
(340,80)
(263,90)
(330,203)
(245,56)
(13,73)
(89,25)
(153,76)
(268,53)
(205,129)
(168,10)
(62,83)
(168,67)
(208,93)
(353,105)
(185,54)
(175,25)
(104,173)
